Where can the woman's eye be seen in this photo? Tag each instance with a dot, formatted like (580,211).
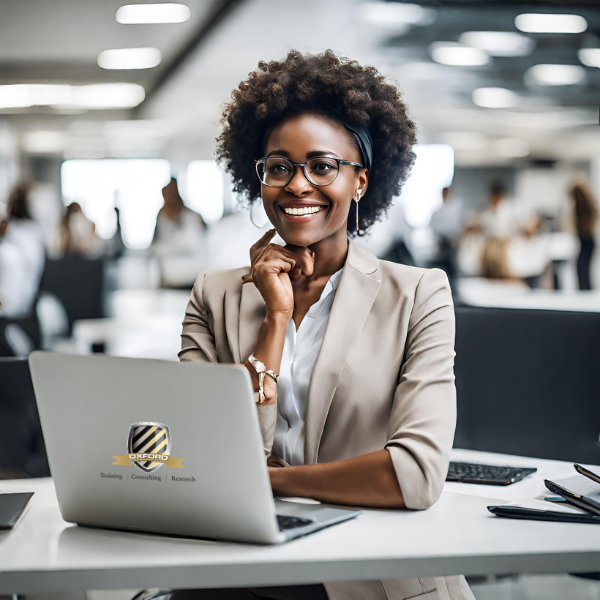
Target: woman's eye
(323,166)
(279,168)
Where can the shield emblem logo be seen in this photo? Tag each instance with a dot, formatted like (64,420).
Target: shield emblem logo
(149,438)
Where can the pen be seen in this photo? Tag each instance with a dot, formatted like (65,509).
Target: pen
(587,473)
(582,502)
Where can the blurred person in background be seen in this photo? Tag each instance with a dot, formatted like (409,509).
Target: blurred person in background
(115,245)
(78,234)
(503,219)
(11,275)
(22,244)
(585,212)
(447,224)
(179,240)
(361,344)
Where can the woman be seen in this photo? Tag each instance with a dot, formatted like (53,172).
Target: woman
(586,216)
(364,409)
(23,238)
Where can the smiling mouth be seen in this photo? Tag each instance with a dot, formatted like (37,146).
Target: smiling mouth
(307,210)
(301,215)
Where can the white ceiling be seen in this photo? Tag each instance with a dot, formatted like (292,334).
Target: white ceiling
(61,39)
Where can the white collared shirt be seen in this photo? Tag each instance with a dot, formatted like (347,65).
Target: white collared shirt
(300,352)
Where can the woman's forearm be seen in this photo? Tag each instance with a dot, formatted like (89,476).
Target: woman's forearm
(367,480)
(268,350)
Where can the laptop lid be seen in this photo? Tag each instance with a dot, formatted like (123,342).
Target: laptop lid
(155,446)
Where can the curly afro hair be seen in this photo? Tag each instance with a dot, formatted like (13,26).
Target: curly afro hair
(325,84)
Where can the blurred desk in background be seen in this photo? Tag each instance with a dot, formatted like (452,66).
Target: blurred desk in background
(141,324)
(477,291)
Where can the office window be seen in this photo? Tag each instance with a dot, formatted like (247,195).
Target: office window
(133,185)
(204,189)
(422,193)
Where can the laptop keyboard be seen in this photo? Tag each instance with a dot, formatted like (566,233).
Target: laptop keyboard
(291,522)
(486,474)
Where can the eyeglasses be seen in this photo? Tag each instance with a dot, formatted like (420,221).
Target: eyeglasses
(276,171)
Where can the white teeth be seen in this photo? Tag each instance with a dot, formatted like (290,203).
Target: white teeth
(309,210)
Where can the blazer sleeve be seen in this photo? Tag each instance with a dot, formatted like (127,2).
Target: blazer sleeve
(197,339)
(198,345)
(423,418)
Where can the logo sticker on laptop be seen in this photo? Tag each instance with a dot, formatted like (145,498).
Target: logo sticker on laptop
(149,447)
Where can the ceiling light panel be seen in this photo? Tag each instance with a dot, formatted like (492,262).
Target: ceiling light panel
(458,55)
(555,74)
(140,14)
(499,43)
(130,58)
(590,57)
(549,23)
(390,15)
(95,96)
(494,97)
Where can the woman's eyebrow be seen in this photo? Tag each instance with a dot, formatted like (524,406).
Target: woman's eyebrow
(315,153)
(312,154)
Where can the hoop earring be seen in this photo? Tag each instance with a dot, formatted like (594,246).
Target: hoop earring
(252,214)
(357,200)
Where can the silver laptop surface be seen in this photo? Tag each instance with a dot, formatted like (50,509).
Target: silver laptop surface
(162,447)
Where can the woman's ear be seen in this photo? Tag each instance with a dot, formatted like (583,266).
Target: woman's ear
(362,181)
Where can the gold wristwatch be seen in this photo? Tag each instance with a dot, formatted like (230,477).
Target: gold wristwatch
(261,371)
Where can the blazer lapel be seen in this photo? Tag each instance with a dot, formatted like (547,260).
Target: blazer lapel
(358,288)
(252,314)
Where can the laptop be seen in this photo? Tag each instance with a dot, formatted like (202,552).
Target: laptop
(163,447)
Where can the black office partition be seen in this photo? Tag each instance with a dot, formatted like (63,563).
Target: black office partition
(528,382)
(22,449)
(78,283)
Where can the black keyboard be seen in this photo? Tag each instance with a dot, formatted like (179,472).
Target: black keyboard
(291,522)
(486,474)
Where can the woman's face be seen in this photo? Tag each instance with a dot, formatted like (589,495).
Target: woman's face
(300,138)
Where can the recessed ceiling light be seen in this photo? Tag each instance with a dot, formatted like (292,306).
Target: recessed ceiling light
(512,147)
(548,23)
(499,43)
(457,55)
(95,96)
(590,57)
(391,15)
(44,142)
(494,97)
(168,12)
(466,140)
(130,58)
(555,74)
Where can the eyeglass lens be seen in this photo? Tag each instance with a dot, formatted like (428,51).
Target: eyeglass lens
(278,172)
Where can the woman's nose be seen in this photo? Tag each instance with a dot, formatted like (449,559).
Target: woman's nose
(299,185)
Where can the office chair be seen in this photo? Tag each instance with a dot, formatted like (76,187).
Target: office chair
(22,449)
(528,383)
(14,339)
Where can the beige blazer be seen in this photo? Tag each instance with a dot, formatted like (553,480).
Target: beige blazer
(384,378)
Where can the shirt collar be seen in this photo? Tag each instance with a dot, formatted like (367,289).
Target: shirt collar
(331,286)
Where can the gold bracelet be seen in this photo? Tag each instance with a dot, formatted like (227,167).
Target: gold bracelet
(261,371)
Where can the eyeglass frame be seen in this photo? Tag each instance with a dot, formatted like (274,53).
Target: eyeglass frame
(339,161)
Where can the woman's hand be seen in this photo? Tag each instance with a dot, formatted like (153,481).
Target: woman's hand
(274,271)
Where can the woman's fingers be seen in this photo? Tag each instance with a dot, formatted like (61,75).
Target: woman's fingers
(305,258)
(258,248)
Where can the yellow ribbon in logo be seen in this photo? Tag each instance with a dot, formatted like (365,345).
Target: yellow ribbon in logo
(164,459)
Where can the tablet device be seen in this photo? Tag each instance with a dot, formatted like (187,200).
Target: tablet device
(11,508)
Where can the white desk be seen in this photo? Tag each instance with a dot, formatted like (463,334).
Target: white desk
(141,324)
(476,291)
(457,535)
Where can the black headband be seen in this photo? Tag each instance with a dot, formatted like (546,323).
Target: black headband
(360,132)
(365,143)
